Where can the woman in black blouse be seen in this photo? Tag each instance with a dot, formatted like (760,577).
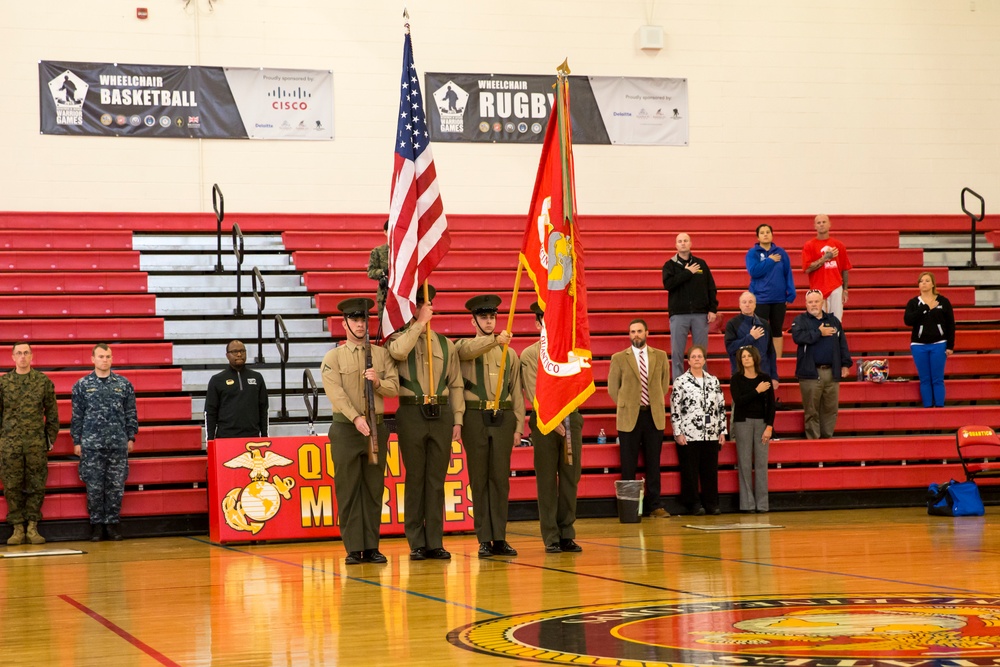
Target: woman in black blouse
(753,424)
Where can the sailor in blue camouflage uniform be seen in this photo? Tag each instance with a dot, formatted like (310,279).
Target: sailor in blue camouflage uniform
(29,424)
(104,427)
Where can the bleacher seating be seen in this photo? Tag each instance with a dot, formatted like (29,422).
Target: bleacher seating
(72,279)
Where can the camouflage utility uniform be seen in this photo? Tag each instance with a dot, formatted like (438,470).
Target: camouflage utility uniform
(378,267)
(104,420)
(29,424)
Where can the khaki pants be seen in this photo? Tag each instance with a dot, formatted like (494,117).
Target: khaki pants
(821,400)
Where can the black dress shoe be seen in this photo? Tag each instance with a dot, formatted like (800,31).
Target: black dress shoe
(761,511)
(747,511)
(373,556)
(715,511)
(485,550)
(501,548)
(570,546)
(698,510)
(418,554)
(113,532)
(354,558)
(553,549)
(437,554)
(96,532)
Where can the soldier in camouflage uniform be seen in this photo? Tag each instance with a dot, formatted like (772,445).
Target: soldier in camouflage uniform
(378,269)
(104,427)
(29,424)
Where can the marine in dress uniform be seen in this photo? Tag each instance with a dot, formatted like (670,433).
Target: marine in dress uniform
(357,483)
(555,479)
(492,425)
(104,426)
(428,419)
(29,424)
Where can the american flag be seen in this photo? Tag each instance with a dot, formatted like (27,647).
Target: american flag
(418,231)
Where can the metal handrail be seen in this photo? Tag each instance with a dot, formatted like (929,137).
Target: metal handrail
(219,206)
(281,341)
(974,219)
(259,295)
(238,254)
(310,390)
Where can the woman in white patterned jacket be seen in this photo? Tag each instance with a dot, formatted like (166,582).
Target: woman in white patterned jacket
(698,419)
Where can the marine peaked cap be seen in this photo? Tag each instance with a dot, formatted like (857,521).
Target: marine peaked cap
(483,304)
(420,293)
(357,307)
(537,310)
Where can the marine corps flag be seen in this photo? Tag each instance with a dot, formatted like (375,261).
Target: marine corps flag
(552,254)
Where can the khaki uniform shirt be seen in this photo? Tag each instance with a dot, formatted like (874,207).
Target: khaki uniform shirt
(529,370)
(469,349)
(344,378)
(412,338)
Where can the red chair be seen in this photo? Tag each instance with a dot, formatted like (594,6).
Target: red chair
(979,451)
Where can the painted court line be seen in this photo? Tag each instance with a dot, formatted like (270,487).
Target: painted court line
(377,584)
(118,630)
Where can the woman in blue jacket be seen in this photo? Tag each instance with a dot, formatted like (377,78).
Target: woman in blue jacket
(771,282)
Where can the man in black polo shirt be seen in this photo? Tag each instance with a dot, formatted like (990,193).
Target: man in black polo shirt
(822,360)
(236,400)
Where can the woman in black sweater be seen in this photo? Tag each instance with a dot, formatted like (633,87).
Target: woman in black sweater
(933,338)
(753,424)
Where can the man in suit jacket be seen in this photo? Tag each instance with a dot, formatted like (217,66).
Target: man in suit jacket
(638,382)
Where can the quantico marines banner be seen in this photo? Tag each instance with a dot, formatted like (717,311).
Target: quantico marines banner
(282,489)
(114,99)
(515,108)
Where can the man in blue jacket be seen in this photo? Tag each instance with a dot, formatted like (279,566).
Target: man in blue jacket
(748,329)
(822,360)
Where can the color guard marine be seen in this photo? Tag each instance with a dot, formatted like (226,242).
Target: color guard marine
(429,418)
(493,423)
(352,373)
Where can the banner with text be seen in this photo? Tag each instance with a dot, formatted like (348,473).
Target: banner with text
(282,489)
(513,108)
(114,99)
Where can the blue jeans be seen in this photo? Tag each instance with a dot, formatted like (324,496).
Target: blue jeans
(929,360)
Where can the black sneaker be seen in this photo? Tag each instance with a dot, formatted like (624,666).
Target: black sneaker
(113,532)
(570,546)
(96,532)
(501,548)
(698,510)
(373,556)
(354,558)
(485,550)
(437,554)
(418,554)
(553,549)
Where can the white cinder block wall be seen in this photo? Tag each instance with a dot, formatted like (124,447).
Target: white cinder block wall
(797,106)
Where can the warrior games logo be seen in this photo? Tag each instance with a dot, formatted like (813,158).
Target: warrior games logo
(911,631)
(69,93)
(451,102)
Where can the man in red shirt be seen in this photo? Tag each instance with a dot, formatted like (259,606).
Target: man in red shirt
(825,261)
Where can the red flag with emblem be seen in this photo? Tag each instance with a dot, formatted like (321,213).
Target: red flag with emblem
(552,254)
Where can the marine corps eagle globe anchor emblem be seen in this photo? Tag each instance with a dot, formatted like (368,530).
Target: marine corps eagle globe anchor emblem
(248,508)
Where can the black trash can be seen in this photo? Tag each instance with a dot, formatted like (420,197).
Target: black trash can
(628,493)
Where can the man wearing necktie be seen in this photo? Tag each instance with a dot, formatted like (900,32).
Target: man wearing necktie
(357,483)
(638,383)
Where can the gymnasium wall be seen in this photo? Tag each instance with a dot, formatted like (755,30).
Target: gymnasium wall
(843,106)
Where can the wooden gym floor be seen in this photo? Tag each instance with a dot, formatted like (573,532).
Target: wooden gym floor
(644,594)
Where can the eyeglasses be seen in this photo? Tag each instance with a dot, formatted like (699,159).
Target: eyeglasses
(813,291)
(745,347)
(243,352)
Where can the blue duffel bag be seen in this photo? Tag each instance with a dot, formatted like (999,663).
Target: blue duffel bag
(955,499)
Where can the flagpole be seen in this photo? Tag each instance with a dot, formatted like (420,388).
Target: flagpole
(562,100)
(430,351)
(510,328)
